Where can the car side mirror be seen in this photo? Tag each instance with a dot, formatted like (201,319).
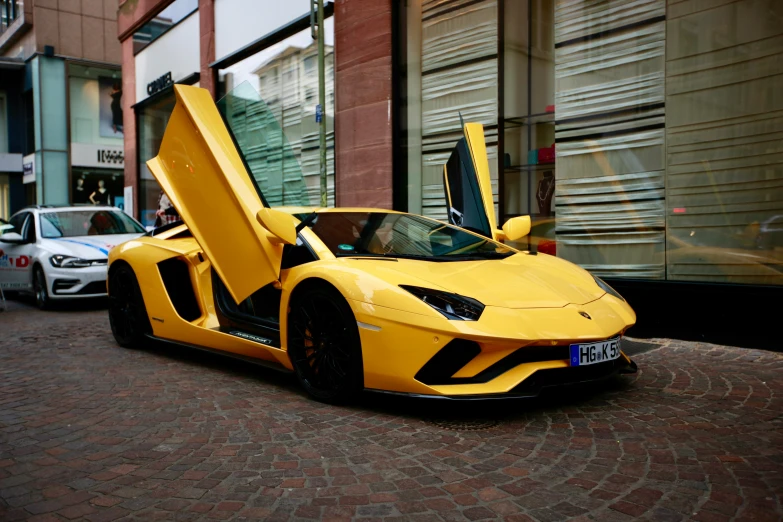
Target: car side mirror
(12,237)
(516,228)
(279,224)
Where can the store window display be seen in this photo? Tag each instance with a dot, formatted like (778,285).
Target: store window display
(152,119)
(640,137)
(97,187)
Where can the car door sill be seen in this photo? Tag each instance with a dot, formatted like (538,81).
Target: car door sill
(252,360)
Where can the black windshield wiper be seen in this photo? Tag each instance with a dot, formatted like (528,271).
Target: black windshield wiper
(482,255)
(309,218)
(434,258)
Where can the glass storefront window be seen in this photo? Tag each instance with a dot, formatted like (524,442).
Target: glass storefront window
(643,140)
(528,124)
(97,187)
(163,21)
(286,77)
(151,124)
(9,12)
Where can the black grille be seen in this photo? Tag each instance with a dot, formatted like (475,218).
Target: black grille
(571,375)
(64,284)
(96,287)
(459,352)
(447,362)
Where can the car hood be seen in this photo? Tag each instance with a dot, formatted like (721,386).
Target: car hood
(85,247)
(519,281)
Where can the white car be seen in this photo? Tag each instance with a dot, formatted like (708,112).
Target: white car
(61,252)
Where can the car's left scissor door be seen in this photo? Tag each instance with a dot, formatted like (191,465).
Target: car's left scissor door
(201,170)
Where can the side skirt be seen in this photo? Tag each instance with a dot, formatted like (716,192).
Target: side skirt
(258,362)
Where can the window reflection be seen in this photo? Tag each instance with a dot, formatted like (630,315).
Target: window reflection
(286,77)
(643,141)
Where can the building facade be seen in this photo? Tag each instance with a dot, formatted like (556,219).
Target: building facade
(61,126)
(177,42)
(643,138)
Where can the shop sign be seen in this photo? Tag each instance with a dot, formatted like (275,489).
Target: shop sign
(115,157)
(28,169)
(91,155)
(159,84)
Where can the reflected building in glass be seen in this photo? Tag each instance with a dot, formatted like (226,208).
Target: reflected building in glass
(643,139)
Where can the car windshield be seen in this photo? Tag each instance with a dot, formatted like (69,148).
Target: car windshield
(385,234)
(87,223)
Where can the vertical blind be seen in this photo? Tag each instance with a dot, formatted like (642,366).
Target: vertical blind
(459,71)
(609,98)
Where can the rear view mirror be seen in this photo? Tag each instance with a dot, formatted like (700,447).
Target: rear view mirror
(516,228)
(12,237)
(279,224)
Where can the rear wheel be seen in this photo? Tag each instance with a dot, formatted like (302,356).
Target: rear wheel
(41,290)
(324,345)
(127,313)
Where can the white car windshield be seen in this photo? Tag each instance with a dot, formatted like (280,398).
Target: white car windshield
(87,223)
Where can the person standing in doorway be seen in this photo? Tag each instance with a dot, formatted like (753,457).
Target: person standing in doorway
(166,212)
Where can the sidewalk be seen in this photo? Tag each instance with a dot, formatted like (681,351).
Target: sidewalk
(92,431)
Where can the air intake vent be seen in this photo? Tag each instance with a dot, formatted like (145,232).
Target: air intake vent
(176,279)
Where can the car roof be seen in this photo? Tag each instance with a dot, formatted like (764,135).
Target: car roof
(65,208)
(325,210)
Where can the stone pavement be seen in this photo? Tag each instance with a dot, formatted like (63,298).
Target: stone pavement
(91,431)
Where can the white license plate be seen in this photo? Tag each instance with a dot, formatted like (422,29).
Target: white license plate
(594,353)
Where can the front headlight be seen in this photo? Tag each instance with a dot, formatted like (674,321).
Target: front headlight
(608,289)
(61,261)
(453,306)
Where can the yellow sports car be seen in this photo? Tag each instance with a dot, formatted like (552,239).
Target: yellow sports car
(352,299)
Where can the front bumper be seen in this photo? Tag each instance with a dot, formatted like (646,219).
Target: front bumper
(509,353)
(70,283)
(540,380)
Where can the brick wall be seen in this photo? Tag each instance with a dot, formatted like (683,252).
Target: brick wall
(363,119)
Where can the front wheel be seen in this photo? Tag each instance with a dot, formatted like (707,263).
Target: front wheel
(324,345)
(127,313)
(42,300)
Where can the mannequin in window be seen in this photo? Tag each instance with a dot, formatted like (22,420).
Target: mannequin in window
(546,189)
(101,194)
(79,192)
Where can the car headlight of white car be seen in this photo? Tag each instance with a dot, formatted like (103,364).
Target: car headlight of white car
(61,261)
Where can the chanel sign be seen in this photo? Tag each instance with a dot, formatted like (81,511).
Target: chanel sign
(159,84)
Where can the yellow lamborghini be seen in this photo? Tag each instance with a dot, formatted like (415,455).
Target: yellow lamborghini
(352,299)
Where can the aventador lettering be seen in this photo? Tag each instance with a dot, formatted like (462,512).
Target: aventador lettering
(251,337)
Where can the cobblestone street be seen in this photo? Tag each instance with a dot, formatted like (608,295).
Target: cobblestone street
(89,430)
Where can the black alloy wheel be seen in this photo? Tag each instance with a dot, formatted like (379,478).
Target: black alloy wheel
(324,345)
(42,300)
(127,313)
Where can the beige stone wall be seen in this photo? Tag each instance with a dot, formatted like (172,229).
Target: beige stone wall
(78,28)
(85,29)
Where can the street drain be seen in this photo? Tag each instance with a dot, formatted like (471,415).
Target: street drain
(465,424)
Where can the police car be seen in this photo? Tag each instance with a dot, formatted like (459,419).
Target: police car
(61,252)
